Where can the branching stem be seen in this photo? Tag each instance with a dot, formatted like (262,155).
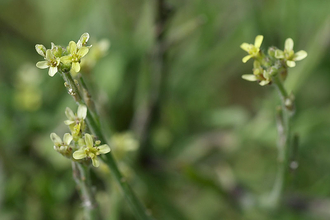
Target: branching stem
(135,204)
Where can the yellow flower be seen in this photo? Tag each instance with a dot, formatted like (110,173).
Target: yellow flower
(253,50)
(289,55)
(51,61)
(76,53)
(91,151)
(76,122)
(60,146)
(259,74)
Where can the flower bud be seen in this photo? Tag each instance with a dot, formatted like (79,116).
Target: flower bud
(41,49)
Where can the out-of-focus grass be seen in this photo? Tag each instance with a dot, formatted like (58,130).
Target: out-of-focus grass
(210,127)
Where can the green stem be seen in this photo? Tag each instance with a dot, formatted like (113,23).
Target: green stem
(88,100)
(108,159)
(82,178)
(284,114)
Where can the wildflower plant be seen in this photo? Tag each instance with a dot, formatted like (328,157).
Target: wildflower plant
(272,68)
(85,145)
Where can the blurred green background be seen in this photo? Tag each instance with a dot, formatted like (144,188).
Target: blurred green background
(172,77)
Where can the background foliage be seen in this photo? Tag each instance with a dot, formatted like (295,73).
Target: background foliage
(211,141)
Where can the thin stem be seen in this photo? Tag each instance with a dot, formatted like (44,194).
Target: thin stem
(135,204)
(88,100)
(284,114)
(82,178)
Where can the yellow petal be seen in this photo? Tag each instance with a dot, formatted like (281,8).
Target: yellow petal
(103,149)
(79,154)
(67,138)
(69,114)
(245,46)
(83,51)
(249,77)
(72,47)
(89,140)
(52,71)
(42,64)
(288,44)
(82,111)
(290,63)
(246,58)
(76,66)
(258,41)
(55,138)
(96,162)
(300,55)
(264,82)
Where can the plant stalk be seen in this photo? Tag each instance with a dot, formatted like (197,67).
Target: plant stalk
(81,176)
(108,159)
(284,113)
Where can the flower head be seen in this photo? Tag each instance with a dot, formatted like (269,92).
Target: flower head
(63,147)
(90,150)
(253,50)
(288,55)
(76,52)
(51,60)
(76,122)
(259,74)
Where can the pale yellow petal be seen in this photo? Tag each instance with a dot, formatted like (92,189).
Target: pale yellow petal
(72,47)
(245,46)
(49,54)
(55,138)
(264,82)
(103,149)
(300,55)
(246,58)
(42,64)
(89,140)
(82,111)
(67,138)
(69,114)
(96,162)
(288,44)
(249,77)
(79,154)
(68,122)
(290,63)
(258,41)
(82,51)
(76,67)
(52,71)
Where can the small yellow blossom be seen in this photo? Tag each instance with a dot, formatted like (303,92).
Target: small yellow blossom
(259,74)
(60,146)
(289,55)
(253,50)
(91,151)
(76,122)
(51,61)
(76,53)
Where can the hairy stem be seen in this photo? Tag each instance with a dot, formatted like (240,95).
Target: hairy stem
(134,203)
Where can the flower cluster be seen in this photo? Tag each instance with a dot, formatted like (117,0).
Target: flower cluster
(79,145)
(275,62)
(63,59)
